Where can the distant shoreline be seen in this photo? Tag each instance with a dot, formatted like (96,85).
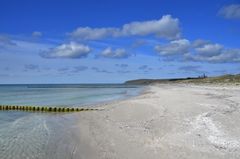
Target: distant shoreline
(227,79)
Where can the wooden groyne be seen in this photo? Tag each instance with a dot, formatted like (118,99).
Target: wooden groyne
(43,108)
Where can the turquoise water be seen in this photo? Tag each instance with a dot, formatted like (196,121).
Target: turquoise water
(49,135)
(64,95)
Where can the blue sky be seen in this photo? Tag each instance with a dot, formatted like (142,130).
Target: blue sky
(70,41)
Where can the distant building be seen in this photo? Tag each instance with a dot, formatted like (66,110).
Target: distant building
(202,76)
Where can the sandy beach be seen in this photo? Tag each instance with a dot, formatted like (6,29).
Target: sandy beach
(167,121)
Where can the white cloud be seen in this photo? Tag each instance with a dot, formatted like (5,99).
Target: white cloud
(166,27)
(231,11)
(209,49)
(199,50)
(118,53)
(71,50)
(228,55)
(213,52)
(36,34)
(87,33)
(200,43)
(6,42)
(174,47)
(225,56)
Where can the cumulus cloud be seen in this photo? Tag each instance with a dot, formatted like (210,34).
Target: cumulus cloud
(199,50)
(174,47)
(199,43)
(36,34)
(6,42)
(88,33)
(209,49)
(165,27)
(123,71)
(145,68)
(123,68)
(230,11)
(75,69)
(71,50)
(224,56)
(117,53)
(100,70)
(213,52)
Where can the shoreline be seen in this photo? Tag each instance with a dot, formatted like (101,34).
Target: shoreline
(101,105)
(164,121)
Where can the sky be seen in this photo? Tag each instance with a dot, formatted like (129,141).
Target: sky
(92,41)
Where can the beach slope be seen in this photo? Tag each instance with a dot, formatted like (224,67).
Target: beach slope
(167,121)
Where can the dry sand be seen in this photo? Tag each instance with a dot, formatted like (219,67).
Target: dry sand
(179,121)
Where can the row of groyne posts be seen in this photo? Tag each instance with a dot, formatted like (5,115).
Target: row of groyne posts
(44,108)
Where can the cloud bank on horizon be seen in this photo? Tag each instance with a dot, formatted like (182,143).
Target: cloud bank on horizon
(152,48)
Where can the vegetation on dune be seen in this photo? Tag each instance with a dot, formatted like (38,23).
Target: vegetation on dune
(226,79)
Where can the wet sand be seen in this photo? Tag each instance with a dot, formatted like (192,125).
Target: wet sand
(166,122)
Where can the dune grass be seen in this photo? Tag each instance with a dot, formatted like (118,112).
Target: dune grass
(224,79)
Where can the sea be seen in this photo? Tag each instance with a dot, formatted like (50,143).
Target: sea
(39,135)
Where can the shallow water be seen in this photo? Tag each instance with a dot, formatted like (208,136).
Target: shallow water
(64,95)
(48,135)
